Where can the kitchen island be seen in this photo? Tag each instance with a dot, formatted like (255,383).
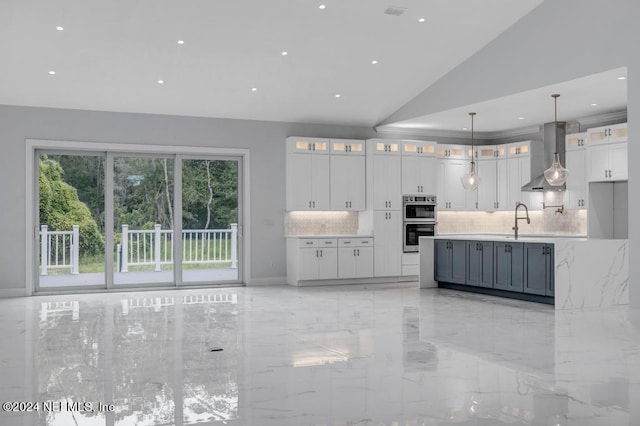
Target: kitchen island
(582,273)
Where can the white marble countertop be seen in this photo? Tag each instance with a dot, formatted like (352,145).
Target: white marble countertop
(502,237)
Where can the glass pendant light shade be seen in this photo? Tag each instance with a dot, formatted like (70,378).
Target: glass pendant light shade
(556,175)
(471,180)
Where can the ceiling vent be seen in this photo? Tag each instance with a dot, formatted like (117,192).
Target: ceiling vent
(395,10)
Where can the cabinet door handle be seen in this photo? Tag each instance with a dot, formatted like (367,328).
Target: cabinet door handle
(314,147)
(358,252)
(314,204)
(317,253)
(309,204)
(320,253)
(354,252)
(349,204)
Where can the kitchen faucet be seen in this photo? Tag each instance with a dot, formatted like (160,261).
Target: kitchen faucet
(515,228)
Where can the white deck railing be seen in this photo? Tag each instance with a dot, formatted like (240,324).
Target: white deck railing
(155,247)
(61,249)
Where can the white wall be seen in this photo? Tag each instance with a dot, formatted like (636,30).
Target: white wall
(560,40)
(264,139)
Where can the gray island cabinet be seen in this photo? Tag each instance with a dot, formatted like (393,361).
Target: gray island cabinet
(522,270)
(570,272)
(508,266)
(450,262)
(480,270)
(538,269)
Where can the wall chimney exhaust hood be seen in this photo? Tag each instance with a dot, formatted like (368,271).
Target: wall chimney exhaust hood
(554,141)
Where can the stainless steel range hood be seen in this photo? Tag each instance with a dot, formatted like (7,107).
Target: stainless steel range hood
(554,141)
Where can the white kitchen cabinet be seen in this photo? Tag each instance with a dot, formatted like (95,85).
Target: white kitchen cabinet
(607,153)
(419,168)
(608,134)
(302,145)
(347,182)
(607,162)
(307,174)
(486,163)
(452,166)
(347,147)
(484,198)
(502,178)
(387,227)
(311,259)
(451,193)
(576,163)
(355,257)
(308,182)
(386,174)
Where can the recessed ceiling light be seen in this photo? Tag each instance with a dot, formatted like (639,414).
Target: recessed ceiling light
(160,81)
(285,53)
(60,28)
(374,62)
(338,95)
(464,128)
(52,72)
(520,118)
(421,20)
(322,6)
(621,78)
(594,104)
(180,41)
(254,89)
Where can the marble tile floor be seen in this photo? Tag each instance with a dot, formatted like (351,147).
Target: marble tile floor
(378,355)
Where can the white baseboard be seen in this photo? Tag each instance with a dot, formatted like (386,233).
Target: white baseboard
(12,292)
(253,282)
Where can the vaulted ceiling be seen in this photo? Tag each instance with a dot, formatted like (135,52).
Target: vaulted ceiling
(348,61)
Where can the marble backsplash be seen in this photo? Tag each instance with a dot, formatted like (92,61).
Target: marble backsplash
(570,222)
(320,223)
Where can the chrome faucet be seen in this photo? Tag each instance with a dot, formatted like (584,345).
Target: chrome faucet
(515,228)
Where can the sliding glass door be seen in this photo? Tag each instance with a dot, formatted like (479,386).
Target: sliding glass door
(209,242)
(114,220)
(143,217)
(70,231)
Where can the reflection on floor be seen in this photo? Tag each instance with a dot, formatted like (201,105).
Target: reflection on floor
(391,355)
(137,277)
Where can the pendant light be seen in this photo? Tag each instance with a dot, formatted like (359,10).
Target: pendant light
(471,180)
(556,175)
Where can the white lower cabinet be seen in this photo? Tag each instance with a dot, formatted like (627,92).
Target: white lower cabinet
(355,257)
(330,259)
(311,259)
(387,228)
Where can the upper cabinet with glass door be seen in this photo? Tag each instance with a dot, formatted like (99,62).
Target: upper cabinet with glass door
(384,146)
(308,145)
(457,152)
(347,147)
(608,134)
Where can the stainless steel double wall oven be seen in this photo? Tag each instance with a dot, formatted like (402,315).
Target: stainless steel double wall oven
(419,219)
